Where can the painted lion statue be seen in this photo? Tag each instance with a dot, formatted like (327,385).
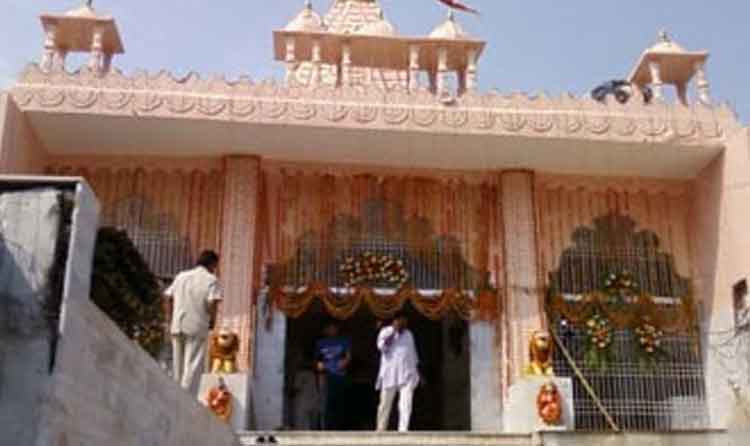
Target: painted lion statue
(549,404)
(223,350)
(541,348)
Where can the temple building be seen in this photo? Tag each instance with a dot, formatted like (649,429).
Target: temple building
(376,176)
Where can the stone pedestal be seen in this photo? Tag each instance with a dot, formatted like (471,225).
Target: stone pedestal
(520,414)
(238,386)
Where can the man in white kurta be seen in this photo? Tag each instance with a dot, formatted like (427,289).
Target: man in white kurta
(191,301)
(398,372)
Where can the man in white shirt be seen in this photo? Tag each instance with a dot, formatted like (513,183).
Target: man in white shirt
(398,372)
(190,308)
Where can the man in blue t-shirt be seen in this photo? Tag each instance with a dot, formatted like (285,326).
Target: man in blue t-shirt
(332,358)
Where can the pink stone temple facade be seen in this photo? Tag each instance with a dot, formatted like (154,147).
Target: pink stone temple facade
(229,165)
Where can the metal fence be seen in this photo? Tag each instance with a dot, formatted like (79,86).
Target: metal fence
(669,395)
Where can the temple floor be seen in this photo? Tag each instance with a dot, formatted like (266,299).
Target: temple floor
(301,438)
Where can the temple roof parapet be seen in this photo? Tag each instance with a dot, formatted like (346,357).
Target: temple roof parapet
(165,96)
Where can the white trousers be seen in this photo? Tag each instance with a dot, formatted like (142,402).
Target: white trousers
(188,360)
(405,397)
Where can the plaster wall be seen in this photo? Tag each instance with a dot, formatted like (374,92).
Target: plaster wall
(721,258)
(21,152)
(101,388)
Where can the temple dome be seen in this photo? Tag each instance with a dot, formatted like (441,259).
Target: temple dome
(380,27)
(307,20)
(449,29)
(665,45)
(85,11)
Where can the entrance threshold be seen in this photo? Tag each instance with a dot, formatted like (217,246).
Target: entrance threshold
(422,438)
(390,438)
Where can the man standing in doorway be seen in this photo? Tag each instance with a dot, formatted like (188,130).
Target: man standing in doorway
(333,356)
(190,306)
(398,372)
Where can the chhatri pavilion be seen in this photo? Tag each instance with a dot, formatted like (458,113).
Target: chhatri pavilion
(376,176)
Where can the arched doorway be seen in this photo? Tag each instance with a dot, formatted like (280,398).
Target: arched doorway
(327,278)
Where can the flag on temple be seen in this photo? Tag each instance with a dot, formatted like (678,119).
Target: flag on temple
(455,4)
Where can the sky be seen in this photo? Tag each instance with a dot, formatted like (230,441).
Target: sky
(532,45)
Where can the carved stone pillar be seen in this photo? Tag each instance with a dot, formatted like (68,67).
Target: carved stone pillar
(442,71)
(238,269)
(471,80)
(59,61)
(701,83)
(682,94)
(656,83)
(96,60)
(50,47)
(523,292)
(413,68)
(316,62)
(346,64)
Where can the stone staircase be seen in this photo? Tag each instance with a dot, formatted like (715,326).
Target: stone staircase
(300,438)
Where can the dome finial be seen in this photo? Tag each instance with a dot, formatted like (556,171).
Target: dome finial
(664,36)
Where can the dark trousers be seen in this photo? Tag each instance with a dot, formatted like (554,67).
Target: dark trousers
(337,402)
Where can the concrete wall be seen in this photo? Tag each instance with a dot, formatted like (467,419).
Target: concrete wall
(721,257)
(21,152)
(102,388)
(28,231)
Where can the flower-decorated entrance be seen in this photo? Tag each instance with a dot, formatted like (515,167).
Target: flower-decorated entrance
(387,244)
(362,281)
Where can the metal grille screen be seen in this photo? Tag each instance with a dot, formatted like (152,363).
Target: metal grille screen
(669,396)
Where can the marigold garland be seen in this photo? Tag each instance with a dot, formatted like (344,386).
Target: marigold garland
(621,305)
(372,268)
(344,305)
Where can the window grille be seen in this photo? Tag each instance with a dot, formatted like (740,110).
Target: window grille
(164,250)
(667,396)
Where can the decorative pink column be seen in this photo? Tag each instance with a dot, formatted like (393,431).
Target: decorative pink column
(238,272)
(523,292)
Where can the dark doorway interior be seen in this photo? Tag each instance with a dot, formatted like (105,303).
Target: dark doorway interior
(440,403)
